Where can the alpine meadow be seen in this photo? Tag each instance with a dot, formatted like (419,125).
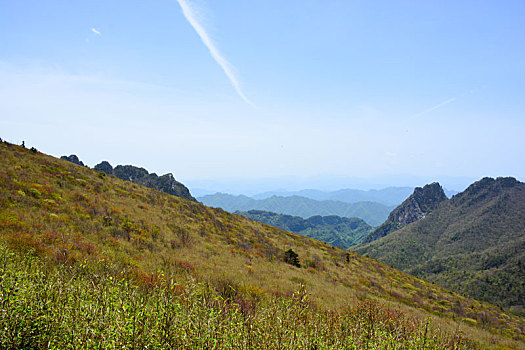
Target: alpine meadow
(90,260)
(197,174)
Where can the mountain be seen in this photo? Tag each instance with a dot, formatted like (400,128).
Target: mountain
(373,213)
(335,230)
(450,193)
(388,196)
(165,183)
(83,250)
(414,208)
(473,243)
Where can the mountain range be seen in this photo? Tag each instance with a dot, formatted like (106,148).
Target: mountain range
(373,213)
(473,243)
(388,196)
(335,230)
(80,230)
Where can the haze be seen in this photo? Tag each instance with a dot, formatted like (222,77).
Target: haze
(283,94)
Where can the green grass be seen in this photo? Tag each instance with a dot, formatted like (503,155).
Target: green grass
(81,216)
(93,305)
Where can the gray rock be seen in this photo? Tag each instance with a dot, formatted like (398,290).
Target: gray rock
(73,159)
(414,208)
(165,183)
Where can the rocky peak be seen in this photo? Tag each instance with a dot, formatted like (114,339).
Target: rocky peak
(73,159)
(165,183)
(130,173)
(420,203)
(105,167)
(423,200)
(484,189)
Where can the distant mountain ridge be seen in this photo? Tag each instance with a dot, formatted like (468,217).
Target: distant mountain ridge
(417,206)
(373,213)
(71,215)
(335,230)
(388,196)
(473,243)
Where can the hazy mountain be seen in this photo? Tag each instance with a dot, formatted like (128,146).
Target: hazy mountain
(335,230)
(74,239)
(373,213)
(473,243)
(414,208)
(388,196)
(450,193)
(308,193)
(200,192)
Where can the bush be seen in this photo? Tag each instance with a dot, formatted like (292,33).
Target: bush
(92,305)
(35,193)
(291,257)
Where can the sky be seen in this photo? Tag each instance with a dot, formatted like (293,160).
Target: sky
(244,96)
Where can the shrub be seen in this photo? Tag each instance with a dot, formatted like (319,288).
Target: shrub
(291,257)
(35,193)
(185,239)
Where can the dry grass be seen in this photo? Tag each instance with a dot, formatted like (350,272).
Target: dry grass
(68,213)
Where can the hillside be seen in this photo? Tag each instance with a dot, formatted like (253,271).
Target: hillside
(373,213)
(416,207)
(334,230)
(165,183)
(93,228)
(473,243)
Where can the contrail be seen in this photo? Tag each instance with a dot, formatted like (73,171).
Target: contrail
(450,100)
(188,12)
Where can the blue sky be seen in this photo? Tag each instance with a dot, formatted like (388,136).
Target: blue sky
(282,94)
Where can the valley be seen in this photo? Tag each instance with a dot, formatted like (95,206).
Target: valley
(72,217)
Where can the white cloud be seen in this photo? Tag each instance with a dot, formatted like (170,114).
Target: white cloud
(189,14)
(428,110)
(95,31)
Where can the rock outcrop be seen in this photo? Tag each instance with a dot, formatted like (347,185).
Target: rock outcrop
(73,159)
(416,207)
(165,183)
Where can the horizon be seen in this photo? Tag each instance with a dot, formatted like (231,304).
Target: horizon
(255,187)
(265,96)
(258,186)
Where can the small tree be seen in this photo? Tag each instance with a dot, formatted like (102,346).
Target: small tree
(291,257)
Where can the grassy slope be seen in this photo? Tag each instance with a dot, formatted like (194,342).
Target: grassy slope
(69,214)
(474,244)
(91,305)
